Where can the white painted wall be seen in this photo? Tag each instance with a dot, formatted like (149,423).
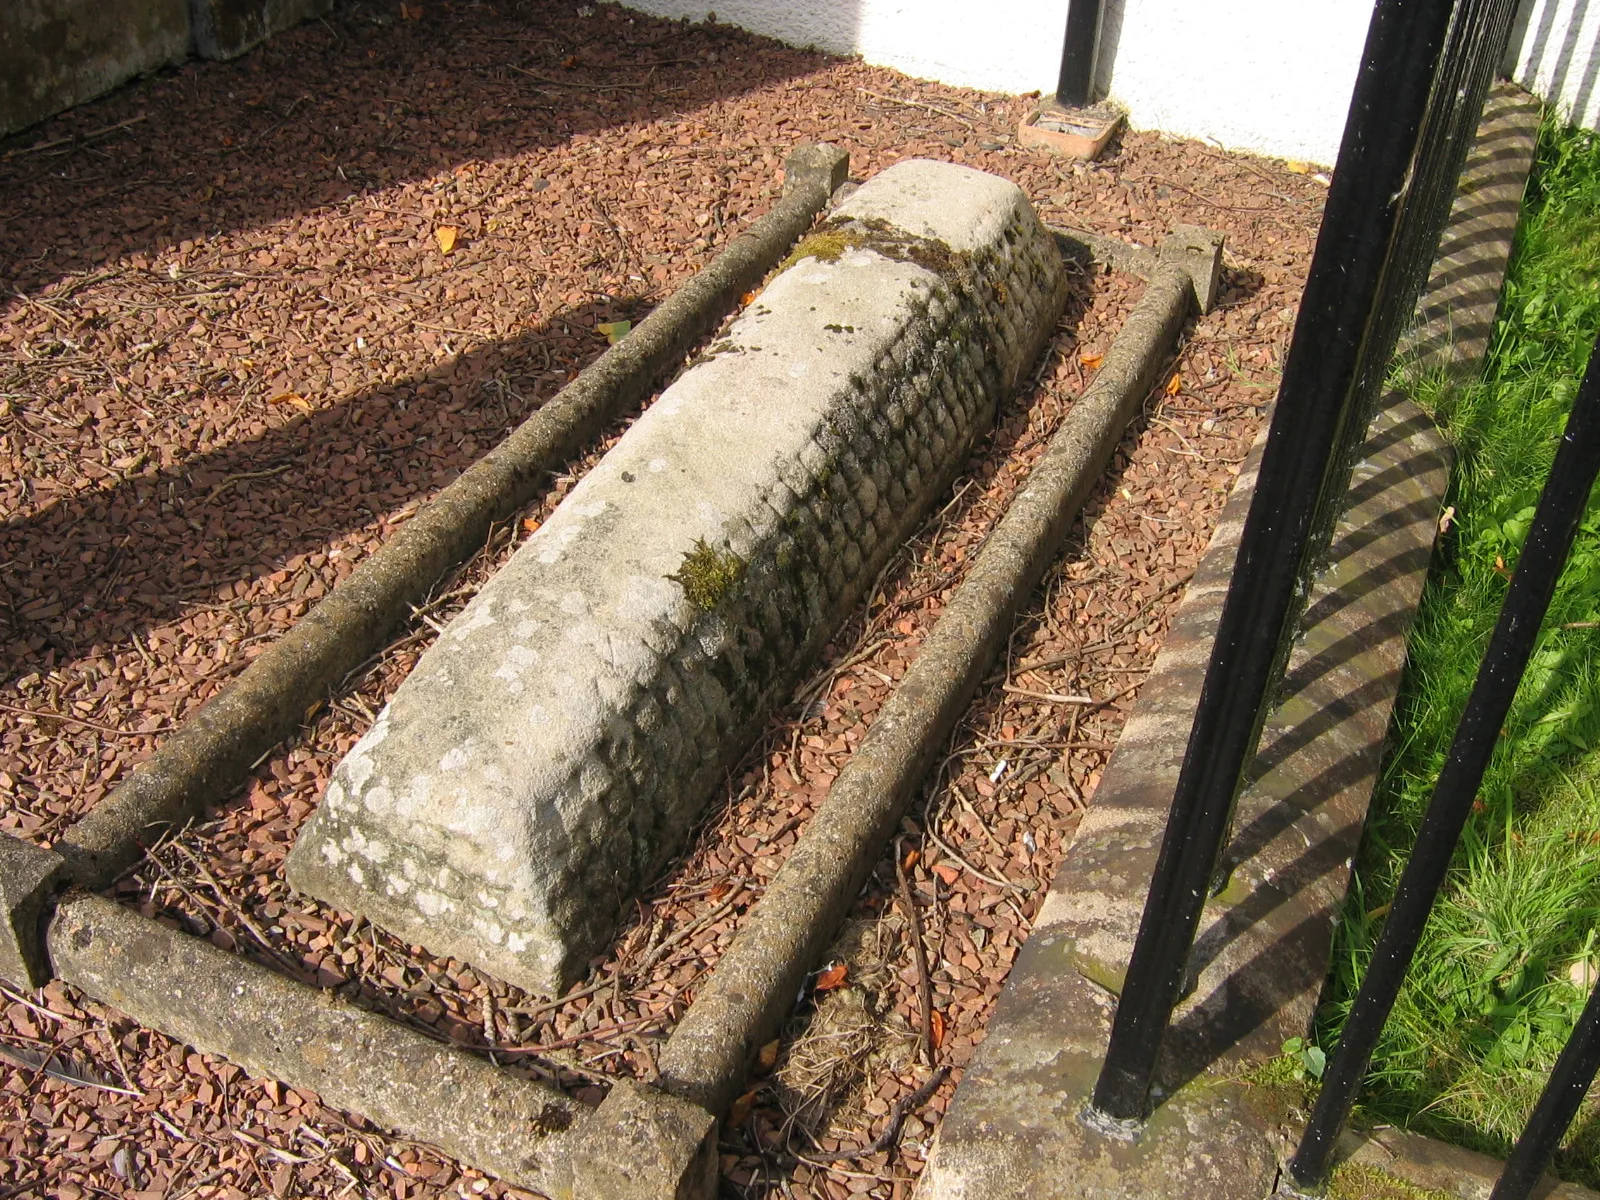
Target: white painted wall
(1272,76)
(1267,75)
(1555,53)
(999,46)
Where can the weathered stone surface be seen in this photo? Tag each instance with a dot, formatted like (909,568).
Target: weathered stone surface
(1198,251)
(751,992)
(642,1144)
(1013,1128)
(57,53)
(227,28)
(555,745)
(1435,1167)
(28,874)
(816,165)
(519,1129)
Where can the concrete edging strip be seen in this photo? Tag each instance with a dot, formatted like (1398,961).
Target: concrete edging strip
(523,1131)
(214,750)
(754,984)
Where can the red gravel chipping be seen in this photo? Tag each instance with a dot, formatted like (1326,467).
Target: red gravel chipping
(238,348)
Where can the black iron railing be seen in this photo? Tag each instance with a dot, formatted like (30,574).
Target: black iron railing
(1075,86)
(1544,553)
(1425,71)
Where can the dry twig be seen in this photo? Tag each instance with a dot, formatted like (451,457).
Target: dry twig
(908,902)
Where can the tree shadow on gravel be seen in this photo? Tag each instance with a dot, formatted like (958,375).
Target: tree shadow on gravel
(115,561)
(342,106)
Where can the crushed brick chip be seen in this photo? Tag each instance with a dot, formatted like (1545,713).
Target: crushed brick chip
(249,334)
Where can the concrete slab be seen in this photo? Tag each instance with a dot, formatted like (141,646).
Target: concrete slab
(1014,1127)
(1456,312)
(520,1129)
(57,53)
(555,745)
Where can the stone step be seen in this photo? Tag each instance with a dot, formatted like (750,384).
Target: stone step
(552,750)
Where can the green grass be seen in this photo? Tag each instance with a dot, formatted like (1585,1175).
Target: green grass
(1492,994)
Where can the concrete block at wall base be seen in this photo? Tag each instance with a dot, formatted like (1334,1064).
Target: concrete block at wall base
(554,747)
(28,875)
(1070,132)
(57,53)
(227,28)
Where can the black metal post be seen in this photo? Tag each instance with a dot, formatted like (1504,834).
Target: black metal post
(1558,1104)
(1319,415)
(1078,53)
(1555,523)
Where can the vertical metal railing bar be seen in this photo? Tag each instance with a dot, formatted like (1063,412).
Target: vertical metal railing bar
(1075,86)
(1477,44)
(1316,418)
(1558,1104)
(1560,509)
(1454,105)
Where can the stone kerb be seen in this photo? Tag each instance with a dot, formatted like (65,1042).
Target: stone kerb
(1013,1129)
(554,747)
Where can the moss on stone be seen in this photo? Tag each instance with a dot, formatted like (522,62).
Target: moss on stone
(1277,1092)
(707,574)
(829,243)
(1357,1181)
(1098,973)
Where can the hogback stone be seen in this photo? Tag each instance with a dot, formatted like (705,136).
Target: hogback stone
(554,747)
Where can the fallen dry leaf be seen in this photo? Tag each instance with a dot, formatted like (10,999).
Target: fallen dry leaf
(767,1056)
(1173,384)
(530,524)
(740,1109)
(445,235)
(1092,361)
(832,977)
(938,1028)
(911,859)
(294,398)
